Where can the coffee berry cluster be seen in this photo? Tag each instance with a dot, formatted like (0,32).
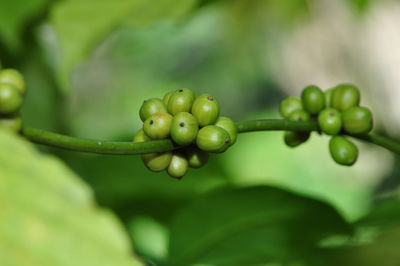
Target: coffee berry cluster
(337,112)
(12,93)
(193,123)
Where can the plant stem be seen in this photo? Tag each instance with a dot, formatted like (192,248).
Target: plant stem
(129,148)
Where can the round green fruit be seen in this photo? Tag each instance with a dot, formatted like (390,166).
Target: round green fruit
(345,96)
(357,120)
(179,165)
(166,97)
(151,107)
(196,157)
(12,123)
(313,99)
(205,109)
(328,98)
(343,151)
(141,136)
(180,101)
(299,116)
(213,139)
(330,121)
(230,127)
(184,128)
(10,99)
(15,78)
(289,105)
(294,139)
(157,162)
(158,126)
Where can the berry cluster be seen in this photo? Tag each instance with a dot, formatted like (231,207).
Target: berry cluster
(12,92)
(337,112)
(192,123)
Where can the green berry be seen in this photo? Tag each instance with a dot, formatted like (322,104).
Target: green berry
(166,97)
(151,107)
(179,165)
(343,151)
(213,139)
(15,78)
(328,98)
(290,104)
(330,121)
(180,101)
(10,99)
(230,127)
(294,139)
(141,136)
(357,120)
(299,116)
(345,96)
(196,157)
(12,123)
(313,99)
(157,162)
(158,126)
(184,128)
(205,109)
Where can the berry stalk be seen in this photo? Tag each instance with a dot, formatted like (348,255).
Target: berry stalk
(130,148)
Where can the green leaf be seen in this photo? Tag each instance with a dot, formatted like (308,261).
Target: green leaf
(80,25)
(13,17)
(251,226)
(48,216)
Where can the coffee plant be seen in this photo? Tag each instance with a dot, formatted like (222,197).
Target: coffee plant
(170,133)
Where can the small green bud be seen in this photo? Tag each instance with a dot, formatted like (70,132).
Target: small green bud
(213,139)
(158,126)
(357,120)
(184,128)
(330,121)
(205,109)
(180,101)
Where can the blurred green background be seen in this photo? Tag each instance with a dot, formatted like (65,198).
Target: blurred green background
(90,64)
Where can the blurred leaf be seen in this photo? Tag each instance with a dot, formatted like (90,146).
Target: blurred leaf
(80,25)
(250,226)
(48,216)
(13,17)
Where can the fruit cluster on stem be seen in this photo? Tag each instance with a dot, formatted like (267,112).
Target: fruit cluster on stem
(337,112)
(12,93)
(192,123)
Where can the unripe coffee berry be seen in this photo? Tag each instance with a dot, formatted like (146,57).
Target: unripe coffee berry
(184,128)
(294,139)
(313,99)
(230,127)
(179,165)
(10,99)
(213,139)
(180,101)
(357,120)
(290,104)
(345,96)
(328,98)
(15,78)
(343,151)
(151,107)
(141,136)
(299,116)
(205,109)
(330,121)
(157,162)
(12,123)
(158,126)
(166,98)
(196,157)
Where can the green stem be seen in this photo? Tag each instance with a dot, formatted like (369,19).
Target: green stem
(130,148)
